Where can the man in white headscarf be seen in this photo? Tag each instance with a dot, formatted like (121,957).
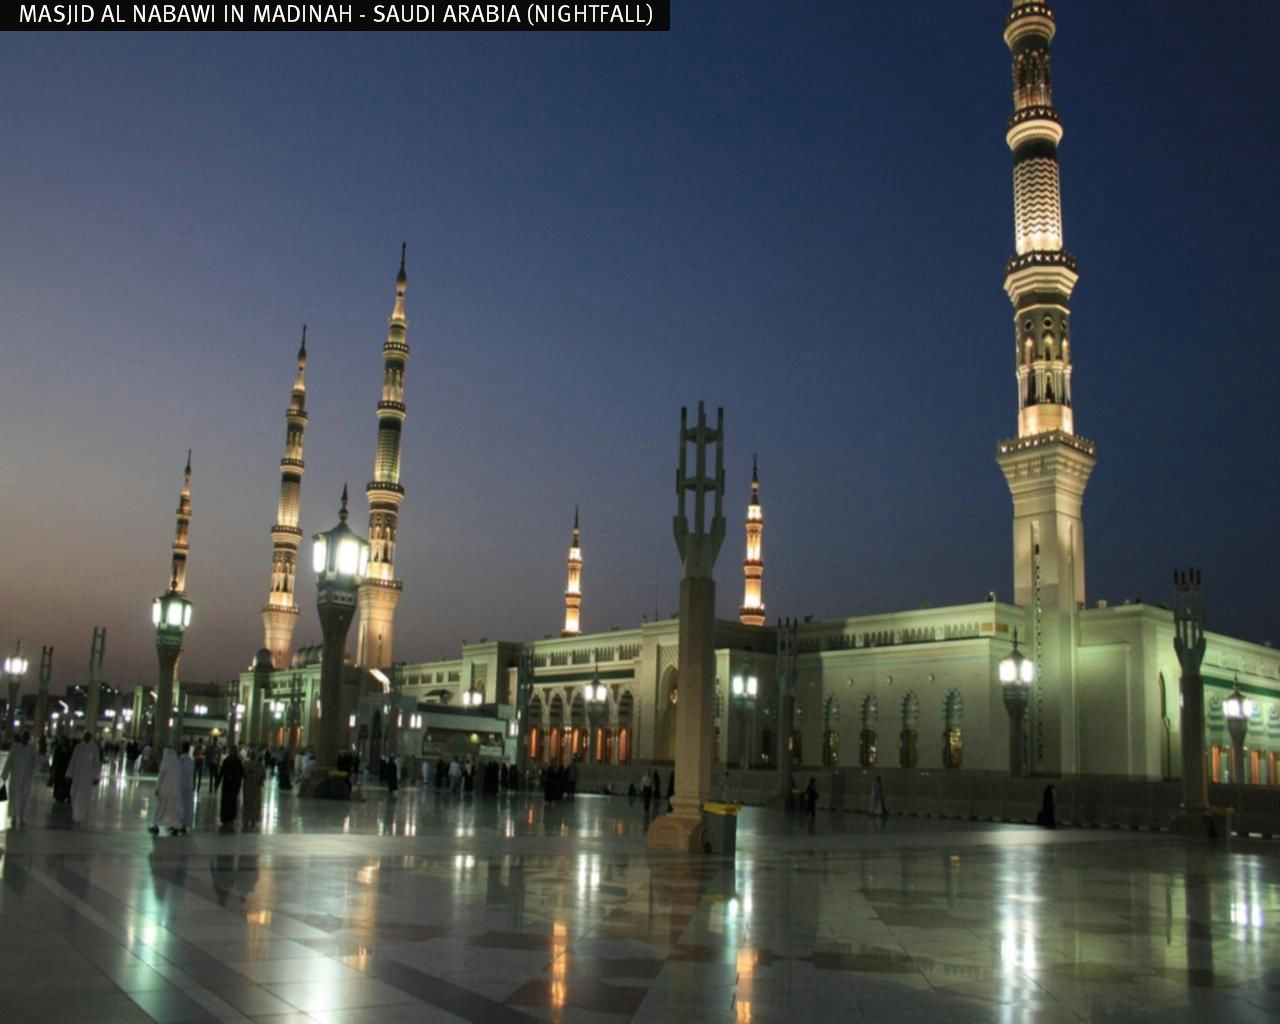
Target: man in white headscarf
(84,772)
(168,795)
(19,770)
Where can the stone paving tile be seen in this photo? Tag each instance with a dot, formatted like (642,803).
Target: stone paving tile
(427,908)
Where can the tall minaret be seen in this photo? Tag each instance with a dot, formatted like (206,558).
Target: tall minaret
(573,589)
(1047,465)
(182,534)
(380,591)
(280,613)
(752,611)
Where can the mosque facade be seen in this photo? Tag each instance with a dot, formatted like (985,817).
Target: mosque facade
(916,689)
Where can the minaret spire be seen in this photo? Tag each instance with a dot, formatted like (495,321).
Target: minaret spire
(573,588)
(1047,466)
(752,611)
(380,592)
(280,613)
(1041,276)
(181,535)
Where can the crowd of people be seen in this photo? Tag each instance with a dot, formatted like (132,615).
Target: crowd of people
(236,777)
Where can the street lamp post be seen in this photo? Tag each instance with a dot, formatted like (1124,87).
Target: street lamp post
(744,690)
(524,691)
(15,667)
(171,615)
(1237,709)
(1189,645)
(787,669)
(340,558)
(1017,673)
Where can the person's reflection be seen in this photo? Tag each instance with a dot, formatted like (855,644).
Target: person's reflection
(168,881)
(246,875)
(13,877)
(221,871)
(1199,918)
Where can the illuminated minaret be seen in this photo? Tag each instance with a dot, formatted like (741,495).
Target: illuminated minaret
(1047,465)
(280,613)
(181,535)
(380,591)
(752,611)
(573,589)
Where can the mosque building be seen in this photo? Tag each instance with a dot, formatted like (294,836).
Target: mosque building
(911,689)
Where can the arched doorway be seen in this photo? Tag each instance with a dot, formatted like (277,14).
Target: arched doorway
(831,732)
(580,739)
(555,739)
(952,717)
(533,736)
(626,714)
(375,740)
(909,736)
(867,737)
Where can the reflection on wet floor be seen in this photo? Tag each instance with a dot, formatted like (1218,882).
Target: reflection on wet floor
(426,907)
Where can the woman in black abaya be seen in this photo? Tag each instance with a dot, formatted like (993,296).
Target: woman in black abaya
(231,774)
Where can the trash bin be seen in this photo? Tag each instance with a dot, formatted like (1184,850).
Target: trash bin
(722,827)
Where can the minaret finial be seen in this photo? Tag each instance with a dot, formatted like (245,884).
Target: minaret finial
(380,592)
(752,611)
(280,613)
(342,514)
(187,471)
(573,587)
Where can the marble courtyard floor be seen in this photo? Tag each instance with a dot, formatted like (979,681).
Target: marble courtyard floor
(425,908)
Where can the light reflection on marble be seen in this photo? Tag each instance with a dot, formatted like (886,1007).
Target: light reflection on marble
(424,907)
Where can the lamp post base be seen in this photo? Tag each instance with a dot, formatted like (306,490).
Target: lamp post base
(680,833)
(1207,823)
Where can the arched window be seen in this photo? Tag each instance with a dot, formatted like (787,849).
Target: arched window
(952,717)
(831,732)
(909,735)
(867,736)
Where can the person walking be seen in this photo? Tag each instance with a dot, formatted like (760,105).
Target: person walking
(878,808)
(455,777)
(811,799)
(231,775)
(168,795)
(254,777)
(198,764)
(58,777)
(646,791)
(187,788)
(1047,818)
(214,759)
(19,771)
(84,771)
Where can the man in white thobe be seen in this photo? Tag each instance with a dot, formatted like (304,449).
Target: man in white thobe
(84,772)
(18,771)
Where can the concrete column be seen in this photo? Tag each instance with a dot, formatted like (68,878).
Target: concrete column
(255,722)
(1238,728)
(93,701)
(695,720)
(11,708)
(167,651)
(336,612)
(42,694)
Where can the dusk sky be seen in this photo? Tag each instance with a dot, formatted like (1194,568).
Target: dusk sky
(803,218)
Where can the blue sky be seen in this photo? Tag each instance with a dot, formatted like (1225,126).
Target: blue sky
(803,219)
